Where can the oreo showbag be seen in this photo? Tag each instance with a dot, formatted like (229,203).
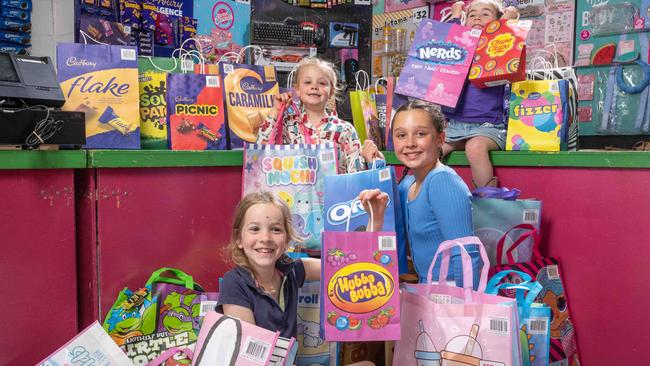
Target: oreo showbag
(102,81)
(344,212)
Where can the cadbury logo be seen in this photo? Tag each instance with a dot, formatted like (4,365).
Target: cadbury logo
(251,85)
(441,53)
(73,61)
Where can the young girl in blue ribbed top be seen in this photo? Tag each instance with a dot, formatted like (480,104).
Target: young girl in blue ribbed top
(436,201)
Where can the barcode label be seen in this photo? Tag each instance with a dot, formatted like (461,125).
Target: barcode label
(206,306)
(475,33)
(187,65)
(538,326)
(256,350)
(387,243)
(212,81)
(491,363)
(555,87)
(327,157)
(228,68)
(553,272)
(127,29)
(531,216)
(276,360)
(127,54)
(384,174)
(440,299)
(499,325)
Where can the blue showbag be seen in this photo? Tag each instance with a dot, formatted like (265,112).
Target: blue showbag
(534,318)
(344,212)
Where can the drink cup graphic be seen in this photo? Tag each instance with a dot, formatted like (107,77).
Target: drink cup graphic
(463,350)
(425,353)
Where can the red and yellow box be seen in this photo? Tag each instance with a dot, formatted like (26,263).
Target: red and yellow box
(500,57)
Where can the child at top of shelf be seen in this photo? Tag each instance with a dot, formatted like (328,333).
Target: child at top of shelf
(312,119)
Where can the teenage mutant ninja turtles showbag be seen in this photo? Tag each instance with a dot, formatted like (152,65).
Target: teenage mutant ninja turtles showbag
(165,313)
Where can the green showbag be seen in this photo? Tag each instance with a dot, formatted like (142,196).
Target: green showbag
(152,80)
(133,314)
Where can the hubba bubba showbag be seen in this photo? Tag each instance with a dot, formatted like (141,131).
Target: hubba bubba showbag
(438,62)
(359,286)
(501,54)
(248,98)
(195,112)
(102,81)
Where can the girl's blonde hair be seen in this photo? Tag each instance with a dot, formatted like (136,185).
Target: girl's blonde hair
(496,4)
(233,252)
(329,70)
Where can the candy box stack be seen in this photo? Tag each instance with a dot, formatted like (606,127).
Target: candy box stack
(438,62)
(102,81)
(15,25)
(501,54)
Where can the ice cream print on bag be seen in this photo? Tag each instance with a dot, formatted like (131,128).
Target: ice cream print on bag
(102,81)
(359,283)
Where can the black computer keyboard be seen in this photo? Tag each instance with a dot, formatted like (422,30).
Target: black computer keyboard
(277,33)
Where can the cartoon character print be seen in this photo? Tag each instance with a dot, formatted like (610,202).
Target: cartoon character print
(310,332)
(123,323)
(300,226)
(302,203)
(315,223)
(553,296)
(180,313)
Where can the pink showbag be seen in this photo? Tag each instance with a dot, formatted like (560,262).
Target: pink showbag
(228,341)
(360,297)
(444,325)
(438,62)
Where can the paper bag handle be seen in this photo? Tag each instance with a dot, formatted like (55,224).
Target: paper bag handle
(444,249)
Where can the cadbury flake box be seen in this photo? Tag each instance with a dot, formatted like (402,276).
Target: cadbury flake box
(195,114)
(248,96)
(102,81)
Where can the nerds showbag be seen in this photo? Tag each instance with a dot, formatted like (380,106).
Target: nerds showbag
(295,173)
(344,212)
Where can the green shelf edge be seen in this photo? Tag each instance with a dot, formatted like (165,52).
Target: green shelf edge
(51,159)
(81,159)
(162,158)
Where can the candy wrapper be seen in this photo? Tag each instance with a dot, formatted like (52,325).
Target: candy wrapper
(195,112)
(18,4)
(149,15)
(438,62)
(15,25)
(130,13)
(23,15)
(501,54)
(15,37)
(188,30)
(164,30)
(99,30)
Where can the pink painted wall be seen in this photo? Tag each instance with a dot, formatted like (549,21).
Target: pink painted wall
(153,218)
(598,222)
(37,264)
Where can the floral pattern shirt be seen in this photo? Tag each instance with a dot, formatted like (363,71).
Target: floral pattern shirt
(297,125)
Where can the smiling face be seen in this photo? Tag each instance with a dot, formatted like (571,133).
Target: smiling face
(263,237)
(314,87)
(480,13)
(417,142)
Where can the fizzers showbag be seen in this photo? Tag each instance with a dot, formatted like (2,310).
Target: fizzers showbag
(538,115)
(359,286)
(195,112)
(438,62)
(501,54)
(102,81)
(248,98)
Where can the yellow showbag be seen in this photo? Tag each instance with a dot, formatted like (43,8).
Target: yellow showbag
(539,115)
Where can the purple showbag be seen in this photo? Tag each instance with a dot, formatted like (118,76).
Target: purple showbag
(438,62)
(361,300)
(181,302)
